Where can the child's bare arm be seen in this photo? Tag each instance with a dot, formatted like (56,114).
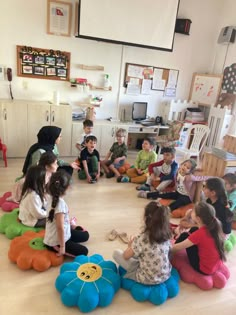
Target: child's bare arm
(59,217)
(85,165)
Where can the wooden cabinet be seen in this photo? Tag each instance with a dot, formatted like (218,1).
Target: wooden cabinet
(21,121)
(14,128)
(44,114)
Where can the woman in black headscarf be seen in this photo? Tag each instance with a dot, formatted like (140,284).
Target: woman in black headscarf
(48,138)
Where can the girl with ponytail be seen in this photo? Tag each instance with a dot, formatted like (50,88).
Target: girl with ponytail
(205,244)
(146,259)
(59,235)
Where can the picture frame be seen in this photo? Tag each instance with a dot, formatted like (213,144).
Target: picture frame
(41,63)
(205,88)
(59,17)
(27,69)
(38,70)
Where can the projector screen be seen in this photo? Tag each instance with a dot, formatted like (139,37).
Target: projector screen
(144,23)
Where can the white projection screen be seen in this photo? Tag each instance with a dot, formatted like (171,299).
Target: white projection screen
(145,23)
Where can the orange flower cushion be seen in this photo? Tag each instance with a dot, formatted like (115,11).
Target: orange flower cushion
(124,168)
(29,252)
(177,213)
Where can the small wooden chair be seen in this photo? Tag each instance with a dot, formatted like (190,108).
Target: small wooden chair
(3,148)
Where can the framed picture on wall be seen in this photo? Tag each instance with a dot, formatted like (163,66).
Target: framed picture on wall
(27,69)
(205,88)
(51,71)
(59,18)
(39,70)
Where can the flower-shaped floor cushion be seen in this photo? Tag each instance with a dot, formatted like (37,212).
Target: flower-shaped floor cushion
(177,213)
(7,206)
(156,294)
(12,227)
(88,282)
(205,282)
(28,251)
(230,242)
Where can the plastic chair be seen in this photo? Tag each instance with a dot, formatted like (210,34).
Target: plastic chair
(197,136)
(3,148)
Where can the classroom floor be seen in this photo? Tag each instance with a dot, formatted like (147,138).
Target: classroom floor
(99,208)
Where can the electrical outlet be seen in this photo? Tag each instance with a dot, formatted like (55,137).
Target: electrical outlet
(25,85)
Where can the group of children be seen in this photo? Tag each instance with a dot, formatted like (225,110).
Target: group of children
(146,258)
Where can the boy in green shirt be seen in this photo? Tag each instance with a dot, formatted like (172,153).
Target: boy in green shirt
(139,173)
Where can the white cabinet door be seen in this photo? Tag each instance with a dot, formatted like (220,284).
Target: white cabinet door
(14,127)
(61,116)
(108,133)
(38,116)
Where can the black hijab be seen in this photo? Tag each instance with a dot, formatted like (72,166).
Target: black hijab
(47,137)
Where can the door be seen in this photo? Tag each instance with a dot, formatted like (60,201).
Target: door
(14,126)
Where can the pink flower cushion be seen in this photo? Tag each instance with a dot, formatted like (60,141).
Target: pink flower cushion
(205,282)
(7,206)
(177,213)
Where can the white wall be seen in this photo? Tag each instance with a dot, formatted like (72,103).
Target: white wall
(23,22)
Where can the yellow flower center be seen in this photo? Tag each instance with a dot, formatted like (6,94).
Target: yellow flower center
(89,272)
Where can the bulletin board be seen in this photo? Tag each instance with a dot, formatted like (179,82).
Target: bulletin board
(143,78)
(43,63)
(205,88)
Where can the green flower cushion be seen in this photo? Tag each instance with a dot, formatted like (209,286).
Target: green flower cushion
(12,227)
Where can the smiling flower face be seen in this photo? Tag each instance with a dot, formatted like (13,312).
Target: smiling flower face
(88,282)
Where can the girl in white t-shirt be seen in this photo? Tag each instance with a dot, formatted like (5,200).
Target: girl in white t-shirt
(60,236)
(146,259)
(32,208)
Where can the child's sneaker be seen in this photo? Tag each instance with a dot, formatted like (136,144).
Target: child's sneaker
(124,179)
(142,194)
(144,187)
(110,175)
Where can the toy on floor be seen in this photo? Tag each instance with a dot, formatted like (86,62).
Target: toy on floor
(234,225)
(6,205)
(156,294)
(4,197)
(12,227)
(230,242)
(88,282)
(205,282)
(29,252)
(177,213)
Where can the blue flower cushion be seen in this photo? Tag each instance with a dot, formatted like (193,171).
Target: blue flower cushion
(12,227)
(156,294)
(88,282)
(230,242)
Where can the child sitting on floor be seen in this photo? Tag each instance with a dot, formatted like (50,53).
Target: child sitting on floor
(185,186)
(163,171)
(214,191)
(230,187)
(146,259)
(115,158)
(139,173)
(60,236)
(205,244)
(90,161)
(88,131)
(32,209)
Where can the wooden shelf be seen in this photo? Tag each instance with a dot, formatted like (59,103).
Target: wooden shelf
(95,67)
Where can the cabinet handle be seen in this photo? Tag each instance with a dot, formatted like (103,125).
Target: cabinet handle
(5,114)
(47,116)
(53,116)
(113,132)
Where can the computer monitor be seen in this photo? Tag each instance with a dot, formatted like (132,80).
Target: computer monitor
(139,111)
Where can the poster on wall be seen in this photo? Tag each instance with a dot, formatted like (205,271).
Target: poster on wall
(205,88)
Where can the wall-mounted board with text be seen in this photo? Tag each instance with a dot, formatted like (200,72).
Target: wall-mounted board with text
(141,79)
(43,63)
